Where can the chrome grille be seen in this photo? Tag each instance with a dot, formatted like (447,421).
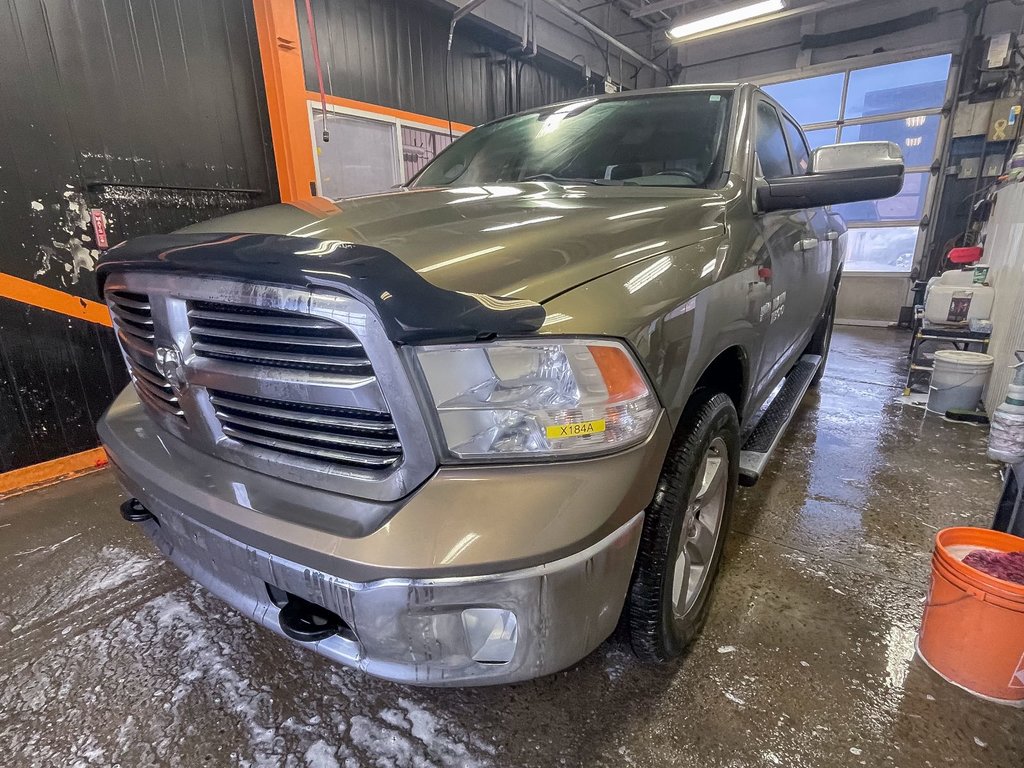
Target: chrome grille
(132,316)
(303,385)
(280,339)
(325,433)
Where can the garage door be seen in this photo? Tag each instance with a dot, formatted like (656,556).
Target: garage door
(899,102)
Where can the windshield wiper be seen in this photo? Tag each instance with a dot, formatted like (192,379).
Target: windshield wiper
(562,180)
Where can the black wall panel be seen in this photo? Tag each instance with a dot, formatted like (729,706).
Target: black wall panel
(156,95)
(391,52)
(153,111)
(57,374)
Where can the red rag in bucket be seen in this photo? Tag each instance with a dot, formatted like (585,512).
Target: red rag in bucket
(1008,566)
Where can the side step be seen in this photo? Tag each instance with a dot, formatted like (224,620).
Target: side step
(761,443)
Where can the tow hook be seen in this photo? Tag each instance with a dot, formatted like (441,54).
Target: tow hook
(308,622)
(133,511)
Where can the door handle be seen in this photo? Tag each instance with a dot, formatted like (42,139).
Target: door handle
(831,235)
(807,244)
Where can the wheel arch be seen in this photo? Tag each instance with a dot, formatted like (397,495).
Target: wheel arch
(729,373)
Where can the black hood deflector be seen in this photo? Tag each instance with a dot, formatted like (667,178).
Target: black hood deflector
(411,308)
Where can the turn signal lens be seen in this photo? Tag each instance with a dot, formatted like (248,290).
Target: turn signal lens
(537,398)
(620,375)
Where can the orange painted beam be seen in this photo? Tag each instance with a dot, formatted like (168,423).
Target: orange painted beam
(277,29)
(401,114)
(23,479)
(37,295)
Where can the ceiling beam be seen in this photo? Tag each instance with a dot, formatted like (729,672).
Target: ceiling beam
(656,7)
(586,23)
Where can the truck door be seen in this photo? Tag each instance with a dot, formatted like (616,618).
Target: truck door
(814,262)
(785,235)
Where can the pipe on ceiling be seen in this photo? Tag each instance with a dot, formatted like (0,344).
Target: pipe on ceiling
(586,23)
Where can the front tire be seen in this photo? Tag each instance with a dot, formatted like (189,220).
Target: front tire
(684,532)
(821,341)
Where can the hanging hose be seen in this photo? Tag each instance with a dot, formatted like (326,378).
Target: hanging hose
(316,64)
(447,96)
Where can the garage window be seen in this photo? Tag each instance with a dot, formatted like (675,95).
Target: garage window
(899,102)
(369,153)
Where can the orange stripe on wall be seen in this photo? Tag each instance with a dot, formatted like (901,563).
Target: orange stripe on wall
(51,471)
(401,114)
(37,295)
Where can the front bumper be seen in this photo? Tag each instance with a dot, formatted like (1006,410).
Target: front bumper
(554,545)
(411,630)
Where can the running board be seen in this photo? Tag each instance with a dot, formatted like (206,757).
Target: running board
(761,443)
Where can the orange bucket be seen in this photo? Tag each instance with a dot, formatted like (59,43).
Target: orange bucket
(972,633)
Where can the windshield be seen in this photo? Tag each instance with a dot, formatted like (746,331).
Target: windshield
(668,139)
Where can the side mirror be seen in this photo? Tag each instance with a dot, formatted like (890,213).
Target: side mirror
(839,173)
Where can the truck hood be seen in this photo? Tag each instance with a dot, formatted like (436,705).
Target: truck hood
(529,241)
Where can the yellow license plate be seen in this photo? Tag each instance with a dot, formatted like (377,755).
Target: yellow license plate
(577,429)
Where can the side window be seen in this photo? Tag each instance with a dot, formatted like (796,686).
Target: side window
(771,143)
(797,148)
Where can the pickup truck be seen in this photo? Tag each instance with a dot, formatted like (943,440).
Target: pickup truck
(457,433)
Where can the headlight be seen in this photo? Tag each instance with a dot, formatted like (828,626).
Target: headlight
(536,398)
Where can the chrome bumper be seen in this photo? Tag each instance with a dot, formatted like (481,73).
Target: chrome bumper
(554,545)
(412,630)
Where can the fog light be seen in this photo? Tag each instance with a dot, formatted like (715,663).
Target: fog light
(491,634)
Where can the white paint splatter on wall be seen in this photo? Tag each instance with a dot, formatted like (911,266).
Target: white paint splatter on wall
(68,257)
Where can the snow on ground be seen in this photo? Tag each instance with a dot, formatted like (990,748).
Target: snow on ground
(182,666)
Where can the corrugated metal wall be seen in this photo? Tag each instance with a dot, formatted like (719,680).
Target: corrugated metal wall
(153,111)
(391,53)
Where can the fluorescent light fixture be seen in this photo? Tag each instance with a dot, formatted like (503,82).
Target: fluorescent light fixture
(725,18)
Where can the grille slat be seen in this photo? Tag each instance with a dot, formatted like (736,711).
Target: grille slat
(165,393)
(137,316)
(137,301)
(130,322)
(253,408)
(132,315)
(139,350)
(158,398)
(369,461)
(296,360)
(365,439)
(261,320)
(330,439)
(147,336)
(275,338)
(157,404)
(231,334)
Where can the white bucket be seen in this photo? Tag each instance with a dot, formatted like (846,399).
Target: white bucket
(958,379)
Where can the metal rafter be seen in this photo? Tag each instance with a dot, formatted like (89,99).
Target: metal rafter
(590,26)
(659,6)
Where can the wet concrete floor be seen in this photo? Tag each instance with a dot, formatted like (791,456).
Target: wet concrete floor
(108,656)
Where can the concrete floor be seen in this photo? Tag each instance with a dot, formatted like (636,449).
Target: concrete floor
(109,656)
